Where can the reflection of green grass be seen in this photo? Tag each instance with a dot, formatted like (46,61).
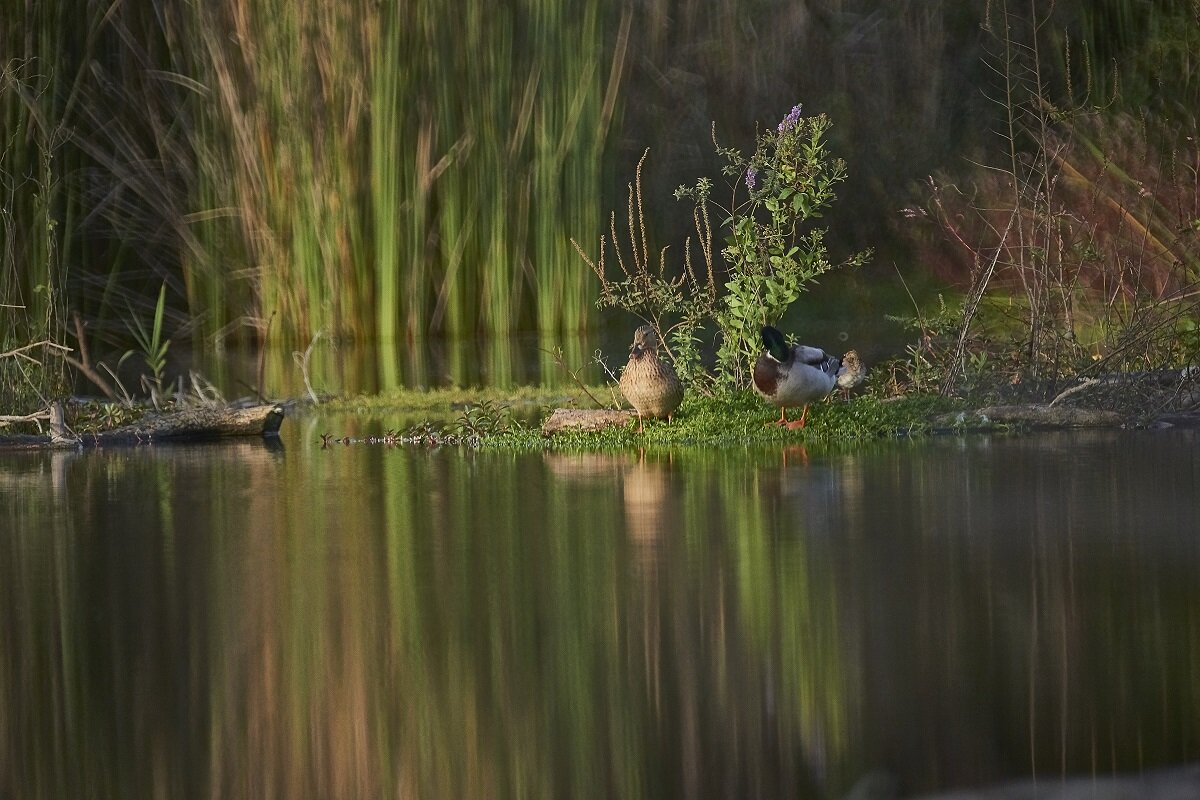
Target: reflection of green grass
(455,398)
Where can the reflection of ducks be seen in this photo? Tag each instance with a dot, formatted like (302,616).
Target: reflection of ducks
(825,493)
(646,494)
(795,376)
(584,468)
(799,451)
(645,491)
(649,384)
(650,508)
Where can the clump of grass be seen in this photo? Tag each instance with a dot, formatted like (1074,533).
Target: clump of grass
(732,419)
(491,418)
(153,346)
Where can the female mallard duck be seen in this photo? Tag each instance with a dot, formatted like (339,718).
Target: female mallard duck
(795,376)
(650,385)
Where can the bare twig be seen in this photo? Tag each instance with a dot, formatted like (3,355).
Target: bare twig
(971,308)
(556,354)
(37,416)
(19,352)
(1079,387)
(83,364)
(301,360)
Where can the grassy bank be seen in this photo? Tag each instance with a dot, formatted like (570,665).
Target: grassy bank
(492,419)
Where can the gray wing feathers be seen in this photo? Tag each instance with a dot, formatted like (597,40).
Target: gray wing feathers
(817,358)
(813,356)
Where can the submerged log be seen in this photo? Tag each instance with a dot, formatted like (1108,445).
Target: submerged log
(1033,415)
(187,424)
(586,419)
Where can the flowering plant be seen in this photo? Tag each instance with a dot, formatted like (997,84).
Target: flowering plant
(771,252)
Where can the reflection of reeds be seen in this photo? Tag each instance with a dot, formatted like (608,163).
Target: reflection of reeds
(438,625)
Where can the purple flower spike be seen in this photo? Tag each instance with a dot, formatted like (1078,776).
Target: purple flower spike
(751,178)
(791,119)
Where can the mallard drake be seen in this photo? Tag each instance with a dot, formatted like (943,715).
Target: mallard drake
(648,383)
(795,376)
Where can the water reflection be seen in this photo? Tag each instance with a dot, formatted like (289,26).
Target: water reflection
(341,368)
(228,621)
(346,368)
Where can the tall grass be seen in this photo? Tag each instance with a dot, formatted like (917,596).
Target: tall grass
(285,99)
(394,169)
(358,168)
(36,205)
(406,167)
(1080,236)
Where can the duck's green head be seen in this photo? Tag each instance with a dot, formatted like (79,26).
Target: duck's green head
(776,345)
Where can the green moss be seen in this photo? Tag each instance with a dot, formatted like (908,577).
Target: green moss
(743,418)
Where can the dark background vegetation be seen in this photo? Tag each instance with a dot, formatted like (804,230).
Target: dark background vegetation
(399,169)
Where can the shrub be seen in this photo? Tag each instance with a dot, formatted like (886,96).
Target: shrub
(772,251)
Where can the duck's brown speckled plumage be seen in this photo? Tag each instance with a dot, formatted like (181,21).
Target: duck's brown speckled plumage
(852,373)
(649,383)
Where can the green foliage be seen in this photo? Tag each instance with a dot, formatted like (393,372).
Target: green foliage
(94,416)
(483,419)
(153,347)
(772,251)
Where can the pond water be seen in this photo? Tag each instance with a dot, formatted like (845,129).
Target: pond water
(249,620)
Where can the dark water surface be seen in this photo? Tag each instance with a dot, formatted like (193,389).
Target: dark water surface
(242,621)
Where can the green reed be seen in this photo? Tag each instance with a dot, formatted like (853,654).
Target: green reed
(36,206)
(410,172)
(385,169)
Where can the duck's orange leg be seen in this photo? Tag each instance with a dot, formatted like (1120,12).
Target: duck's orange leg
(800,422)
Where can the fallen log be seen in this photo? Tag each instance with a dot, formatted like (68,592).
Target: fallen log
(187,424)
